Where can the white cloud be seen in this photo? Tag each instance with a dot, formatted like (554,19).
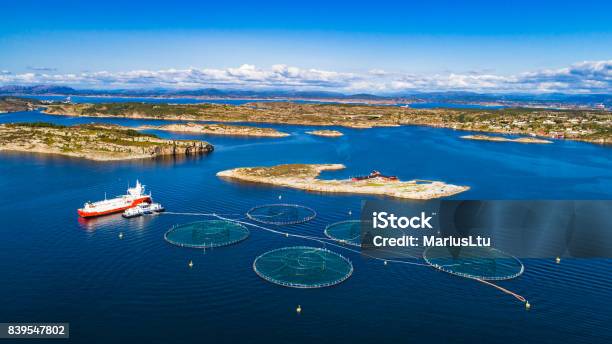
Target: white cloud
(377,72)
(589,76)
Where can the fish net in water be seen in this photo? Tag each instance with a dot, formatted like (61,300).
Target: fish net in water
(206,234)
(303,267)
(483,263)
(281,214)
(347,232)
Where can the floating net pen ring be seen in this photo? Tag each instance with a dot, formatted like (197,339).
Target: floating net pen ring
(206,234)
(481,263)
(346,232)
(281,214)
(303,267)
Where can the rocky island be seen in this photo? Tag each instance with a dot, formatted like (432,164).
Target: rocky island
(14,104)
(505,139)
(585,125)
(325,133)
(100,142)
(304,177)
(218,129)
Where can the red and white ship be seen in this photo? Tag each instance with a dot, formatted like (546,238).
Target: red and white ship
(134,197)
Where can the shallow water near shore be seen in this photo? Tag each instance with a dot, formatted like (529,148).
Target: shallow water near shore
(57,267)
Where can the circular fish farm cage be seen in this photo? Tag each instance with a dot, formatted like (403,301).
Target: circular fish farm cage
(206,234)
(303,267)
(483,263)
(346,232)
(281,214)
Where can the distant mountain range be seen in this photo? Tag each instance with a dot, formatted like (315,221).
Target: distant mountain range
(34,90)
(205,92)
(443,97)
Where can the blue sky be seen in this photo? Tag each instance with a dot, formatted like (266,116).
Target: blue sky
(533,46)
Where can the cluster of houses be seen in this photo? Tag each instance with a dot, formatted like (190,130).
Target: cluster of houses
(553,125)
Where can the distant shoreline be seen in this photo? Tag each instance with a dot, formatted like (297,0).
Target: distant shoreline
(587,126)
(254,99)
(371,99)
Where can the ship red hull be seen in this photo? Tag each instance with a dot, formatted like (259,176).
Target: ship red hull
(136,202)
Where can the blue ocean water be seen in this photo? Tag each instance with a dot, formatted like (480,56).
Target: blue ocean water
(57,267)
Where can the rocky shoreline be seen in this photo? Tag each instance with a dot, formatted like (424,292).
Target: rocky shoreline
(304,177)
(217,129)
(94,142)
(505,139)
(325,133)
(15,104)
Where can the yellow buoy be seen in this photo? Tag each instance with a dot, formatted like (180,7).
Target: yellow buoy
(190,264)
(299,309)
(527,305)
(558,260)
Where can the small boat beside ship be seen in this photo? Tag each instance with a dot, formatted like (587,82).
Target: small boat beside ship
(143,209)
(135,197)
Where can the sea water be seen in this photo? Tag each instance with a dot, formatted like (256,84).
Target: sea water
(57,267)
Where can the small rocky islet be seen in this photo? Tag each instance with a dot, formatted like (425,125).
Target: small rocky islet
(325,133)
(217,129)
(305,177)
(505,139)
